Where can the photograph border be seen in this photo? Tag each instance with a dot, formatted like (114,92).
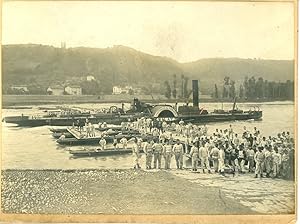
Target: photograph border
(232,219)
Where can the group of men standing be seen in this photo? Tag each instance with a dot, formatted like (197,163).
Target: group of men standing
(223,151)
(155,150)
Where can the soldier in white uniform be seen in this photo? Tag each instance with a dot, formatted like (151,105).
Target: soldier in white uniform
(178,152)
(92,128)
(236,140)
(167,152)
(268,161)
(115,143)
(123,141)
(221,160)
(276,162)
(195,156)
(136,154)
(148,150)
(259,159)
(102,143)
(214,154)
(203,154)
(250,157)
(88,129)
(157,150)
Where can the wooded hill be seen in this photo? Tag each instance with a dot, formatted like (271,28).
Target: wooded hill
(44,65)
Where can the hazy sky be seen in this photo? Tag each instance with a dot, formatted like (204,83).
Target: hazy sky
(185,31)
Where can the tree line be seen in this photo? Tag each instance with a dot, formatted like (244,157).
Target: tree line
(255,89)
(175,89)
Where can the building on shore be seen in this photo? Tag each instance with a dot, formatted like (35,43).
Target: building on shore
(67,90)
(20,88)
(90,78)
(55,90)
(122,90)
(73,90)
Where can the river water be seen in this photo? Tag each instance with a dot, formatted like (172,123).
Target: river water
(35,148)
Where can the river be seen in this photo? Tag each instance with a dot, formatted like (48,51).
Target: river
(35,148)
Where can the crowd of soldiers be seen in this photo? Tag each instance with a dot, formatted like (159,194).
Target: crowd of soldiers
(224,151)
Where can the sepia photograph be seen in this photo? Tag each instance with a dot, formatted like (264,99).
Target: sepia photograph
(148,108)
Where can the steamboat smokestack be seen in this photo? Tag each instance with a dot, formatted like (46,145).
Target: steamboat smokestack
(195,93)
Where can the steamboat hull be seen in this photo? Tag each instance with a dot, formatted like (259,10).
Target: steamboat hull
(26,121)
(207,118)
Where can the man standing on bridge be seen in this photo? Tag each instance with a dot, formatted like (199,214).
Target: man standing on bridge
(102,143)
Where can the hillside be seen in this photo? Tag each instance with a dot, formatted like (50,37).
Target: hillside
(235,68)
(23,64)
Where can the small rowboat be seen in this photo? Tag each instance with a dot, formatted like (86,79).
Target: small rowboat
(124,132)
(58,134)
(115,128)
(58,130)
(98,152)
(95,140)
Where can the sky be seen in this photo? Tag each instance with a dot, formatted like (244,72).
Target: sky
(185,31)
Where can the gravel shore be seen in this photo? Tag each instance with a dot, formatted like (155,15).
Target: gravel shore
(110,192)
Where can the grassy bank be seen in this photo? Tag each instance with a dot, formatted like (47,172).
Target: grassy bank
(27,100)
(110,192)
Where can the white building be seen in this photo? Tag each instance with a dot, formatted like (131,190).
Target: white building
(73,90)
(90,78)
(55,90)
(122,90)
(22,88)
(117,90)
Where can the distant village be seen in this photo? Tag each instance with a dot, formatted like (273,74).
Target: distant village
(75,89)
(174,88)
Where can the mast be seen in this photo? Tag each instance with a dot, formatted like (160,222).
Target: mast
(234,104)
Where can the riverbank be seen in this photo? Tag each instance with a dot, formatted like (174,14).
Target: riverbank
(26,100)
(111,192)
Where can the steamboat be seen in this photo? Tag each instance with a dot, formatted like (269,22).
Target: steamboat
(115,115)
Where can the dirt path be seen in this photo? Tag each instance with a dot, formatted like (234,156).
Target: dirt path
(111,192)
(263,195)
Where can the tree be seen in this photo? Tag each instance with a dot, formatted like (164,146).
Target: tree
(91,88)
(182,86)
(35,89)
(232,89)
(259,88)
(252,90)
(226,86)
(174,92)
(216,92)
(167,90)
(241,93)
(266,90)
(185,87)
(289,90)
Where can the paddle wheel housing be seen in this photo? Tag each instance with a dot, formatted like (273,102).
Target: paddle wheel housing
(164,111)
